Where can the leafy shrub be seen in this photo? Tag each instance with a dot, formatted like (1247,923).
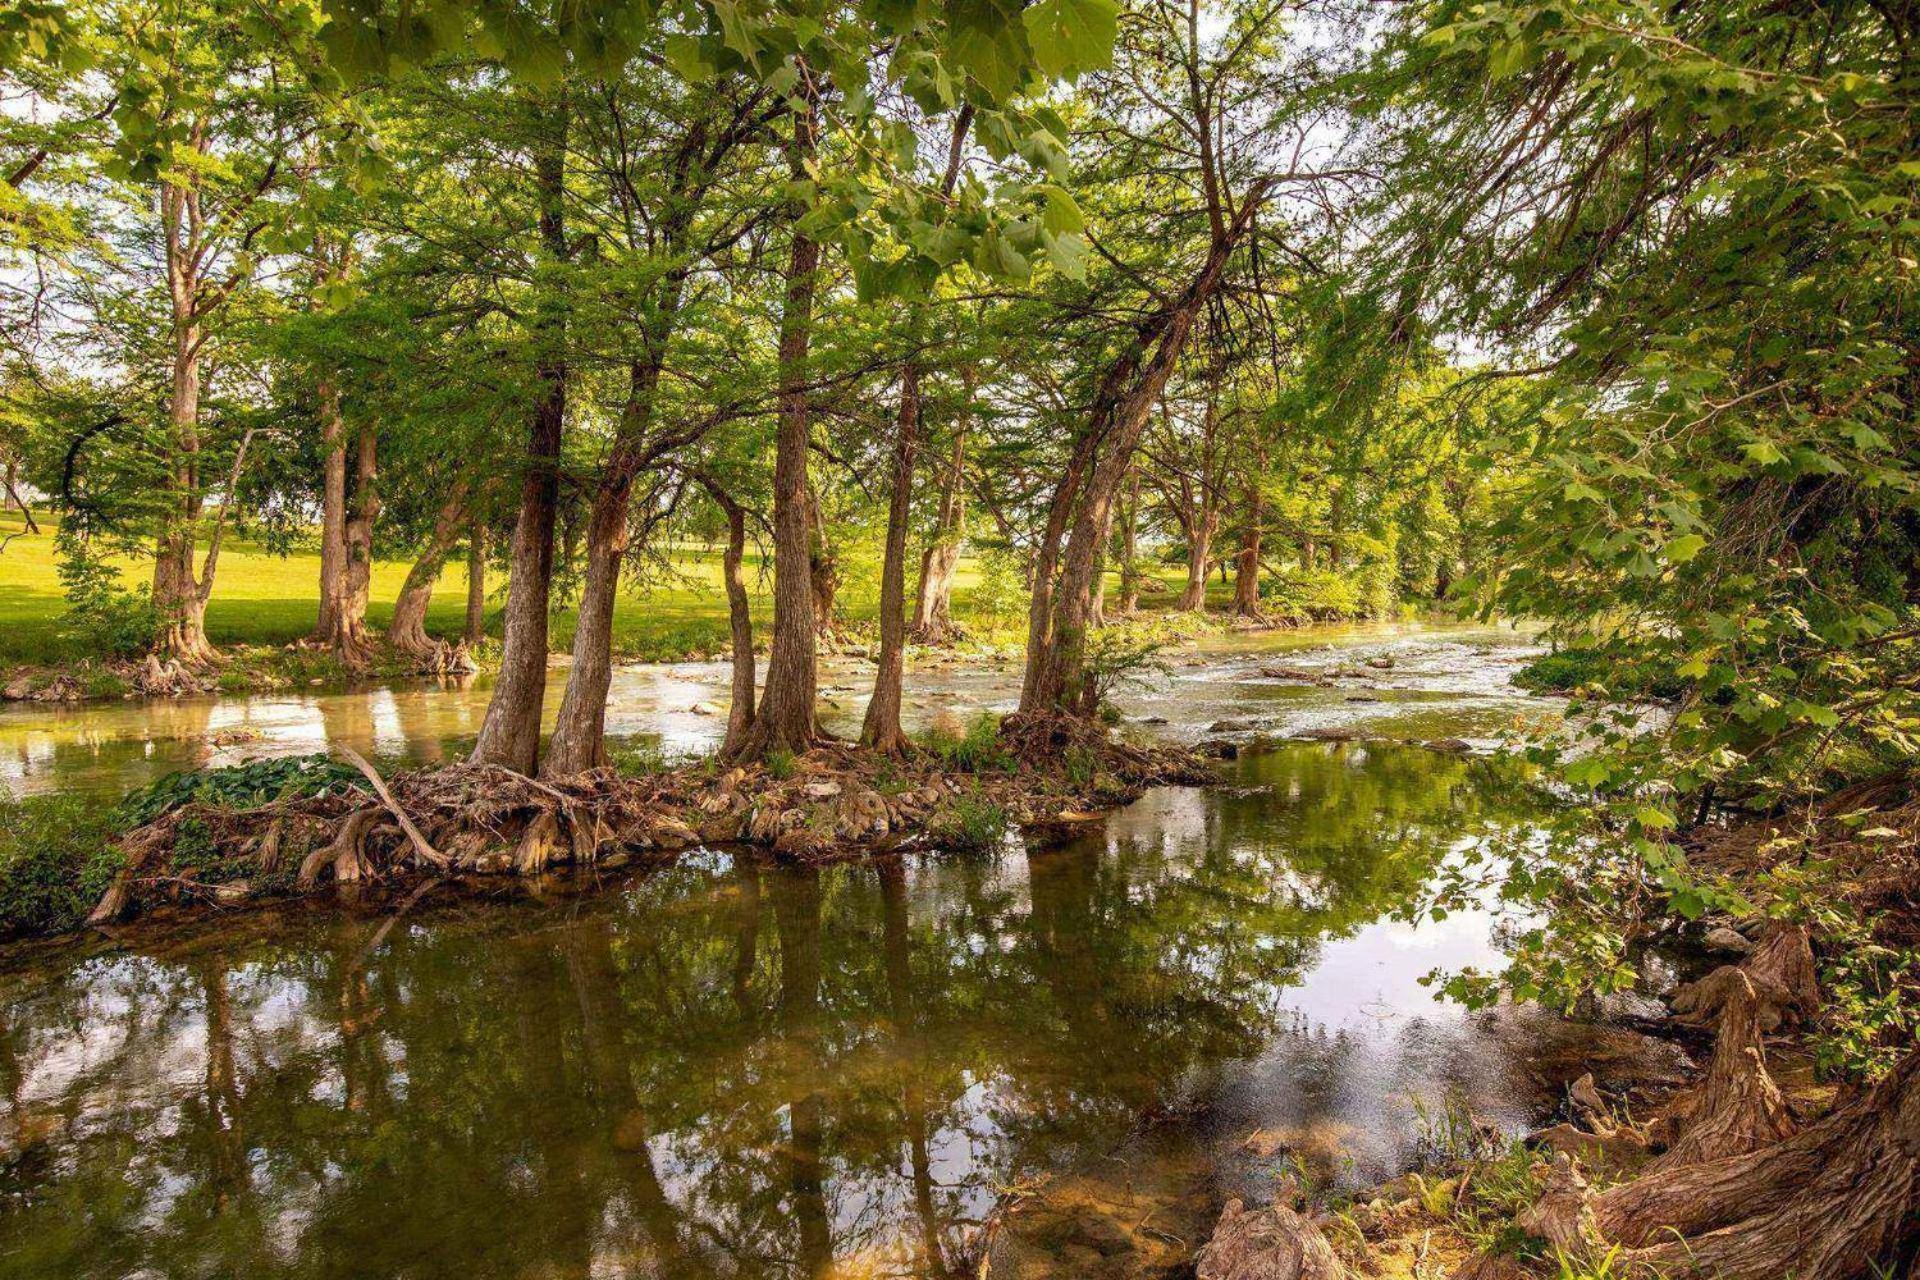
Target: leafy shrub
(972,823)
(1316,595)
(1000,596)
(1574,669)
(241,786)
(779,763)
(56,858)
(102,616)
(973,750)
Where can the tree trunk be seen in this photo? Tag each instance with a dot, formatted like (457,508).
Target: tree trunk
(333,512)
(784,720)
(1246,586)
(476,629)
(739,617)
(1130,550)
(881,730)
(823,566)
(346,535)
(933,607)
(360,520)
(579,734)
(182,634)
(408,631)
(510,735)
(1056,666)
(1199,555)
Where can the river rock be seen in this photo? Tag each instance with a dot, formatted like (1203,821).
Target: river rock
(1329,733)
(1458,746)
(232,891)
(703,709)
(1380,664)
(1231,726)
(20,688)
(1273,1243)
(823,790)
(1218,749)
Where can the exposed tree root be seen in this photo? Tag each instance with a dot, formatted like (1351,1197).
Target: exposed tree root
(1826,1204)
(1778,975)
(472,819)
(1737,1109)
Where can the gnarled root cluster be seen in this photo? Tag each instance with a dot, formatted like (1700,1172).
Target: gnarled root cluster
(470,819)
(1741,1191)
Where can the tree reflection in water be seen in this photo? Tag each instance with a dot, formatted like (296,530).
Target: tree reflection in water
(729,1070)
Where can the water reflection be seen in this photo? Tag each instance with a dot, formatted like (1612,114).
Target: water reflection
(733,1070)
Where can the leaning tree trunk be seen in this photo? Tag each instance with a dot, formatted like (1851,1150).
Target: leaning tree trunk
(579,733)
(933,607)
(1130,549)
(1246,585)
(510,735)
(784,720)
(408,631)
(1056,667)
(476,628)
(881,729)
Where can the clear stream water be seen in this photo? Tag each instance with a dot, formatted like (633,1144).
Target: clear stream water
(731,1069)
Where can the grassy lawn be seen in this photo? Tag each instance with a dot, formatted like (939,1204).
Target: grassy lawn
(261,598)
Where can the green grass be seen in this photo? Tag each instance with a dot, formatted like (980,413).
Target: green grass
(263,598)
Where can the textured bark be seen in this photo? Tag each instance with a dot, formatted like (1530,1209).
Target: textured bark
(1737,1109)
(1056,664)
(1246,585)
(881,729)
(1273,1243)
(476,628)
(784,720)
(510,735)
(579,733)
(1840,1200)
(739,616)
(933,606)
(408,631)
(182,634)
(1130,550)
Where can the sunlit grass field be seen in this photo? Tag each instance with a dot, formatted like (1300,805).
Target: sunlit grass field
(263,598)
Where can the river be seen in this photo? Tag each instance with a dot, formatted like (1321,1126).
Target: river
(1070,1053)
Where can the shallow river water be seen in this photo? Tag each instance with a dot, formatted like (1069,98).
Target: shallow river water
(1068,1054)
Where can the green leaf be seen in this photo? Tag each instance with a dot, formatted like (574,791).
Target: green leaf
(1072,37)
(1684,548)
(1062,215)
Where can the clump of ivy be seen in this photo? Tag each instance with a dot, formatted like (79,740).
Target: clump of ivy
(241,786)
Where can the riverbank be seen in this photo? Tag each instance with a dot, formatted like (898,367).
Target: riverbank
(1771,1158)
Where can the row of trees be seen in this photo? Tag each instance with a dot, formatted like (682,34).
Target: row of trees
(590,285)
